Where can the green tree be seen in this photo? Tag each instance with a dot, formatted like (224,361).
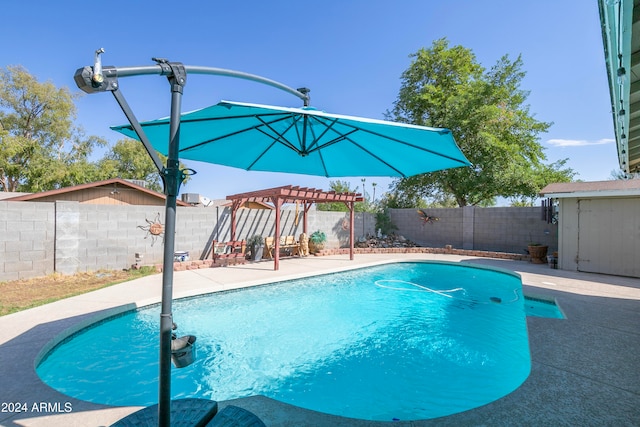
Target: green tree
(128,159)
(401,200)
(486,111)
(341,187)
(40,148)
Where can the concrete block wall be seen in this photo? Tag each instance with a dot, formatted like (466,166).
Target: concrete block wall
(502,229)
(447,230)
(334,224)
(26,240)
(38,238)
(94,237)
(250,222)
(511,229)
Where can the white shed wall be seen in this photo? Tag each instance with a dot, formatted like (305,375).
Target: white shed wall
(600,235)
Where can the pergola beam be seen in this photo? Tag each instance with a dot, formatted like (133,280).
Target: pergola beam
(292,194)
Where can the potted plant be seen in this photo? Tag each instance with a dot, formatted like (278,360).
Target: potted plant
(317,241)
(537,252)
(256,245)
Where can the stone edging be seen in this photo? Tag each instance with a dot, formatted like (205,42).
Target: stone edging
(194,265)
(422,250)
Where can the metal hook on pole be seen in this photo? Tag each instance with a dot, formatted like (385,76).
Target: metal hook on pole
(97,77)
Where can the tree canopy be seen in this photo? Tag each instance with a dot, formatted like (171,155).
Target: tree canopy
(486,111)
(41,148)
(341,187)
(127,159)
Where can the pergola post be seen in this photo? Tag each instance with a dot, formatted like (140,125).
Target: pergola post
(305,224)
(351,232)
(277,202)
(234,209)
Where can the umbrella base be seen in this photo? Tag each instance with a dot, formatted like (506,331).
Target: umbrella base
(184,412)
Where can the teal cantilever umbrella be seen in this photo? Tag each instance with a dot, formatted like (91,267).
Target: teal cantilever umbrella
(262,138)
(305,141)
(294,140)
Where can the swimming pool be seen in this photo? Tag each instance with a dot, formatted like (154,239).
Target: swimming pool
(402,341)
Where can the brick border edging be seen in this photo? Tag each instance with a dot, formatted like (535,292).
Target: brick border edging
(195,265)
(198,264)
(422,250)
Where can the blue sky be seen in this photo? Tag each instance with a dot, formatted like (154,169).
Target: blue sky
(350,53)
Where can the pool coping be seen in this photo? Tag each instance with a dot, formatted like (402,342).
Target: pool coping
(585,371)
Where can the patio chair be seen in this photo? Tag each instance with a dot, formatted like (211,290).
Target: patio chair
(269,244)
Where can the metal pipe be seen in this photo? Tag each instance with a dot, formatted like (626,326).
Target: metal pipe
(246,76)
(195,69)
(172,182)
(135,125)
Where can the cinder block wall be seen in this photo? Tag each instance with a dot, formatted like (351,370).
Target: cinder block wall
(26,239)
(447,230)
(510,229)
(503,229)
(38,238)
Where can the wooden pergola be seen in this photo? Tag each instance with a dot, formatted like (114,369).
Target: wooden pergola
(292,194)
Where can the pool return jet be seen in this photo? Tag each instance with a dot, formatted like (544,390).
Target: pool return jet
(277,139)
(105,79)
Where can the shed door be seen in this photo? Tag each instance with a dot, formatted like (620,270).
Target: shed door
(609,236)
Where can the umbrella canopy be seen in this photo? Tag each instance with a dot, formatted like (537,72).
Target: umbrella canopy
(305,141)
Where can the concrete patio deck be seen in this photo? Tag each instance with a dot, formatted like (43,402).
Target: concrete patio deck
(585,369)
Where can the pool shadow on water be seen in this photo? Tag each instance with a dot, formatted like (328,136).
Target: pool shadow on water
(23,394)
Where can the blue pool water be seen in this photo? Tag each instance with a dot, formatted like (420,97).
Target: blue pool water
(400,341)
(541,307)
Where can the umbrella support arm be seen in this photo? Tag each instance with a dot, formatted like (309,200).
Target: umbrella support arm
(135,124)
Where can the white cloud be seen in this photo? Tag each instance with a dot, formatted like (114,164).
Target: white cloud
(578,142)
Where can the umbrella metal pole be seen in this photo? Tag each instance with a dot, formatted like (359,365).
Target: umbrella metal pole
(173,178)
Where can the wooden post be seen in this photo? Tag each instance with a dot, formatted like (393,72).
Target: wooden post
(277,201)
(234,208)
(305,224)
(351,232)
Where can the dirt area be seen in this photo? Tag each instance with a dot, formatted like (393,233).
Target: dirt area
(19,295)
